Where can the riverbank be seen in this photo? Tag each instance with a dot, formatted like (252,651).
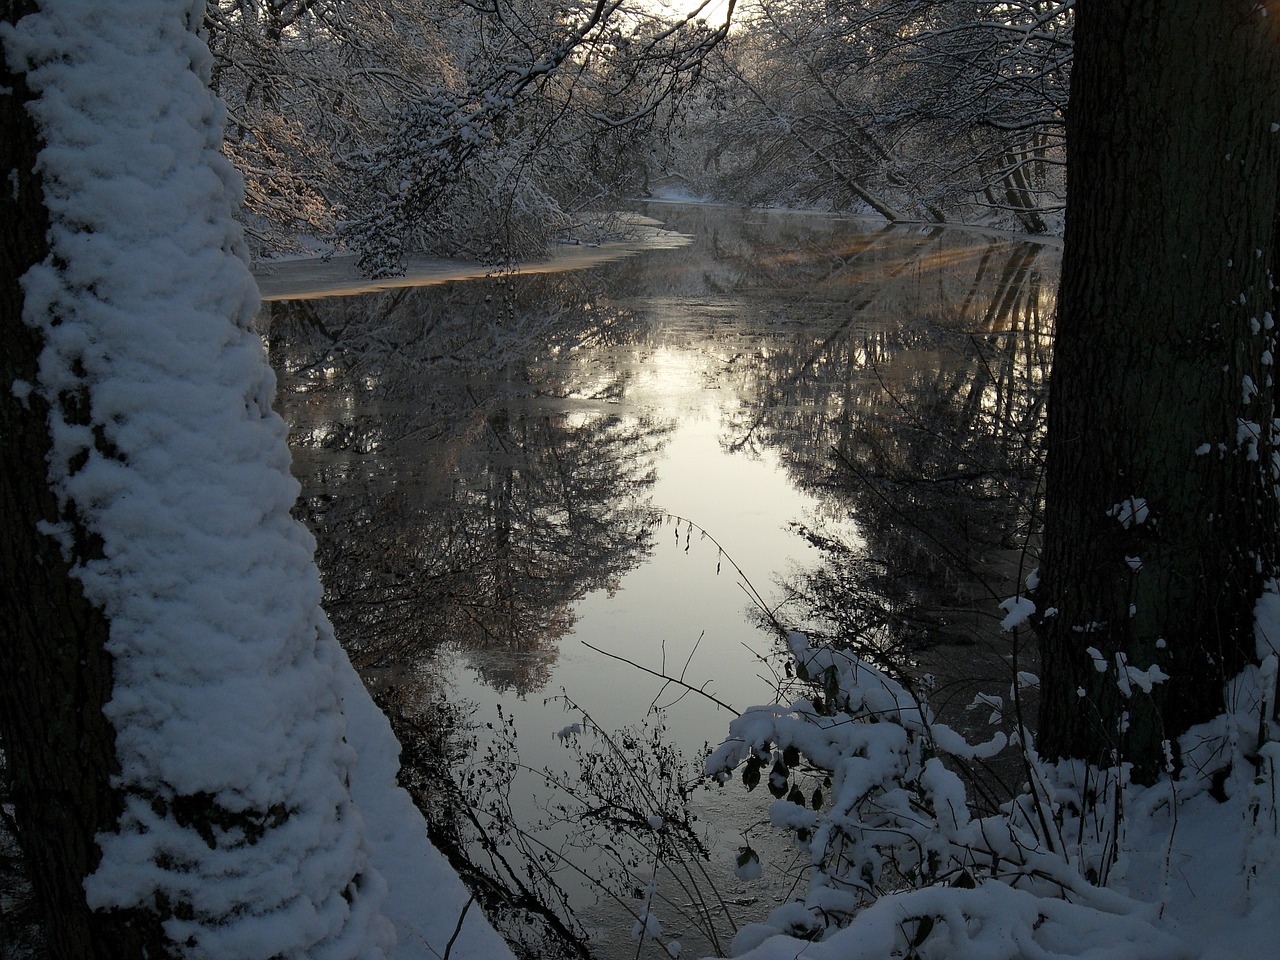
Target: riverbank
(313,278)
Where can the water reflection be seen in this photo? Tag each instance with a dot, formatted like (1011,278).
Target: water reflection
(852,410)
(466,483)
(898,375)
(917,410)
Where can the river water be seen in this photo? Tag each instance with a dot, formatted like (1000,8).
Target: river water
(555,506)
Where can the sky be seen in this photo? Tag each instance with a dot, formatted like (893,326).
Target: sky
(714,10)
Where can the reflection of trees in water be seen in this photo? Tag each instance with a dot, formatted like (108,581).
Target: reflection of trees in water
(899,374)
(806,258)
(465,478)
(924,428)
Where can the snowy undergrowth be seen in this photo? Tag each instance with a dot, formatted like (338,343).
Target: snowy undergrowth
(1083,864)
(246,785)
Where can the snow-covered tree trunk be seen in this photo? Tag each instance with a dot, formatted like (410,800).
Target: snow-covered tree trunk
(55,674)
(169,680)
(1161,499)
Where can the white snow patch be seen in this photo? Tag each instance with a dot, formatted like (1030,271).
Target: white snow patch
(1248,435)
(991,701)
(1128,677)
(1130,512)
(992,922)
(1018,611)
(748,866)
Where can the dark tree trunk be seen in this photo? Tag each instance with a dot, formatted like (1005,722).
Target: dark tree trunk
(55,673)
(1161,386)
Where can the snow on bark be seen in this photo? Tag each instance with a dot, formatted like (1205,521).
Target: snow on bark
(238,826)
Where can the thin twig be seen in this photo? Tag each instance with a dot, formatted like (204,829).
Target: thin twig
(662,676)
(458,929)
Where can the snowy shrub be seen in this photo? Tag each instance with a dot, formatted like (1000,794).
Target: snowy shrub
(899,866)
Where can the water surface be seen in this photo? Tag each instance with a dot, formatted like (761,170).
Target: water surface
(794,419)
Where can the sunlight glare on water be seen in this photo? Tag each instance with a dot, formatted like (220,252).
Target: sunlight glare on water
(685,610)
(682,613)
(678,601)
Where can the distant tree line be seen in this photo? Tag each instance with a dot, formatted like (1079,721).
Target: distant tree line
(477,128)
(915,109)
(485,127)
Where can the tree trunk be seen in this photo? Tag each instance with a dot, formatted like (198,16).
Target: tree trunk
(56,673)
(1160,495)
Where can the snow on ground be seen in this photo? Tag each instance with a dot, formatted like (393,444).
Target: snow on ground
(1197,873)
(1202,885)
(231,694)
(309,279)
(425,897)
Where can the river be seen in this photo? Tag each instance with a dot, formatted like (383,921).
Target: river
(557,505)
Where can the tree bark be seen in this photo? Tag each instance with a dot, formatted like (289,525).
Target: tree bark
(55,673)
(1162,388)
